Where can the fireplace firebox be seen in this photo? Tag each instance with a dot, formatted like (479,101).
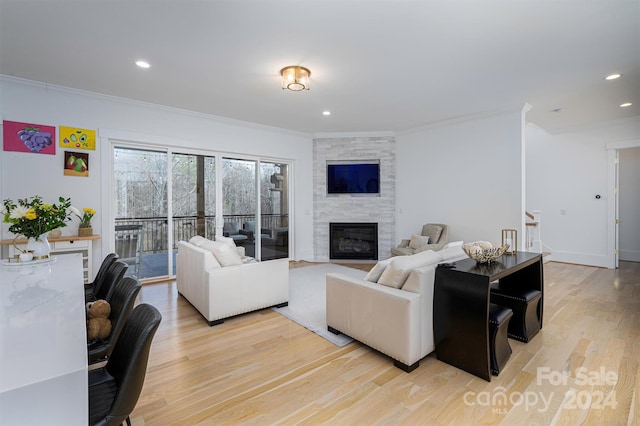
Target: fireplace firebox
(353,241)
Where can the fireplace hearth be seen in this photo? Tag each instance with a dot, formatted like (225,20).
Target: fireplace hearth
(357,241)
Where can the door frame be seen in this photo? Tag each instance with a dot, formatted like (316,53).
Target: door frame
(612,198)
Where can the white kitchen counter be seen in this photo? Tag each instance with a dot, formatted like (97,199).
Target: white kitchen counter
(43,343)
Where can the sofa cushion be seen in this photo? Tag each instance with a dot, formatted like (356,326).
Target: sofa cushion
(230,228)
(226,240)
(398,271)
(418,241)
(198,240)
(224,254)
(375,272)
(432,231)
(452,253)
(402,251)
(453,244)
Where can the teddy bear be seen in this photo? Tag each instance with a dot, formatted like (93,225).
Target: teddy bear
(98,322)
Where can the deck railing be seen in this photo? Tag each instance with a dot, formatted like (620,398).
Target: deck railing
(154,229)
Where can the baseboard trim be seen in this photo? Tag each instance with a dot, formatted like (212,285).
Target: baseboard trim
(580,259)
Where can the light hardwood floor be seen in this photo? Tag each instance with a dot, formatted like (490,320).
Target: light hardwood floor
(261,368)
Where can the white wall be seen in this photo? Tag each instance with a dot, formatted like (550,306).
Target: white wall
(629,204)
(565,172)
(467,175)
(25,174)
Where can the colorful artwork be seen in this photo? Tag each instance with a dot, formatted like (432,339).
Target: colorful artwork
(28,137)
(76,163)
(76,138)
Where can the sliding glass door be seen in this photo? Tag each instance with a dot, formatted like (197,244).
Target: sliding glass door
(163,197)
(239,202)
(140,195)
(274,210)
(193,180)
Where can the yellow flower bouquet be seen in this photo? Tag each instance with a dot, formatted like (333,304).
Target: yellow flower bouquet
(32,217)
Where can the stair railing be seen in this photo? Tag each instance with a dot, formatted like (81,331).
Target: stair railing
(533,238)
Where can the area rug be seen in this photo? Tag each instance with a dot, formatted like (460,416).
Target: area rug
(307,298)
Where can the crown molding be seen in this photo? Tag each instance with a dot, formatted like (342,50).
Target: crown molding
(513,109)
(341,135)
(46,87)
(574,128)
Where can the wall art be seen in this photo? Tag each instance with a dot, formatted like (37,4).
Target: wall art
(76,163)
(29,137)
(77,138)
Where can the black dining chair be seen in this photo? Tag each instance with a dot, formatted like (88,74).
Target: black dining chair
(115,388)
(121,298)
(113,275)
(108,260)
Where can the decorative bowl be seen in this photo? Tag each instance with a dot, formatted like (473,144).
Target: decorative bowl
(484,251)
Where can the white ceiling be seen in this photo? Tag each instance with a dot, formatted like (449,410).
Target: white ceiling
(376,65)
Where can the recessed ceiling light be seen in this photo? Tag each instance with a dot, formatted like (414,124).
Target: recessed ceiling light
(143,64)
(626,104)
(613,76)
(326,112)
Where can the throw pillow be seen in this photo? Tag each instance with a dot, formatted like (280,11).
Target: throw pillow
(375,272)
(225,255)
(198,240)
(226,240)
(208,245)
(418,241)
(398,271)
(433,232)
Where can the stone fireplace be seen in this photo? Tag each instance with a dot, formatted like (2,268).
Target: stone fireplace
(353,241)
(354,208)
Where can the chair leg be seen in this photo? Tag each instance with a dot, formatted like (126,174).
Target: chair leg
(128,421)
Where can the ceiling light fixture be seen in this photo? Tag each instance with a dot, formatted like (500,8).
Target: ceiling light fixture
(326,112)
(143,64)
(613,76)
(626,104)
(295,78)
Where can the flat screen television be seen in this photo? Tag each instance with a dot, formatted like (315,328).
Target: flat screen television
(353,178)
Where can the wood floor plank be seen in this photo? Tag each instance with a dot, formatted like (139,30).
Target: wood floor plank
(261,368)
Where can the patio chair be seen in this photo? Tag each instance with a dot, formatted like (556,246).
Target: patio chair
(129,246)
(232,230)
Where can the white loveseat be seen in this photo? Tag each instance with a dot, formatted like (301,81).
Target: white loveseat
(219,292)
(394,321)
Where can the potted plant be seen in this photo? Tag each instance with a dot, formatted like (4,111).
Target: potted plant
(84,229)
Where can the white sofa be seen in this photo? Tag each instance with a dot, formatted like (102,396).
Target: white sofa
(219,292)
(394,321)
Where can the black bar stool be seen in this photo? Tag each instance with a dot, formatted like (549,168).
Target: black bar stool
(499,347)
(524,303)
